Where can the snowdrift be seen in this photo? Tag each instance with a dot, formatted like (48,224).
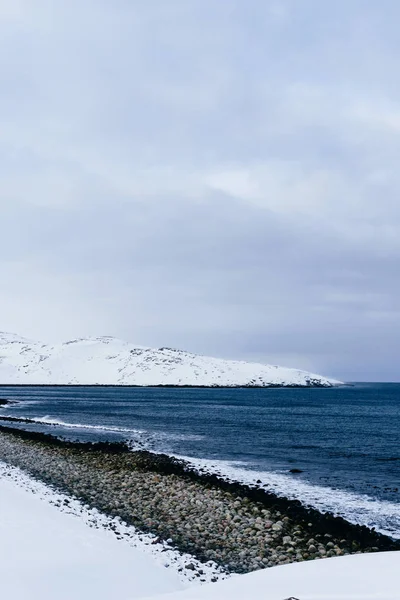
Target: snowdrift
(356,577)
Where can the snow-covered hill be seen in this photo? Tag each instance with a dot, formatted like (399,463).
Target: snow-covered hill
(107,360)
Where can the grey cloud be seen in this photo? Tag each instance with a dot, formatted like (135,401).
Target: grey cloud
(217,176)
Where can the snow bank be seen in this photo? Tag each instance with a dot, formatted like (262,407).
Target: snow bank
(356,577)
(106,360)
(51,548)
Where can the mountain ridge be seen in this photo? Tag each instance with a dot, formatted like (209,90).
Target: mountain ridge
(106,360)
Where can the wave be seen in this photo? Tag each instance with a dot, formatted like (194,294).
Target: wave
(21,403)
(144,437)
(55,422)
(360,509)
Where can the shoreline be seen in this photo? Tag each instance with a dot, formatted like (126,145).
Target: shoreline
(179,387)
(93,554)
(355,507)
(242,528)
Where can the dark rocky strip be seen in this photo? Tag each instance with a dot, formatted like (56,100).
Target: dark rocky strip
(4,402)
(312,383)
(241,528)
(14,419)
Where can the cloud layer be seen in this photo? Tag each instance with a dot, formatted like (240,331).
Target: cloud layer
(218,176)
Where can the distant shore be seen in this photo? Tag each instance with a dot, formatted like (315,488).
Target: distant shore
(178,387)
(241,528)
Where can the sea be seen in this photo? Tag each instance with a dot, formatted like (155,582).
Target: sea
(336,449)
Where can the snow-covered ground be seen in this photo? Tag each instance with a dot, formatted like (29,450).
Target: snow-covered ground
(53,549)
(356,577)
(106,360)
(47,554)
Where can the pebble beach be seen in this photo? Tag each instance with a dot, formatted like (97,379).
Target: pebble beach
(240,528)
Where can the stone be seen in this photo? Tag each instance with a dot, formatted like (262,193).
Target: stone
(268,524)
(286,539)
(312,541)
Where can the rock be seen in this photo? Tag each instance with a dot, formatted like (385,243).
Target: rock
(268,524)
(282,558)
(286,539)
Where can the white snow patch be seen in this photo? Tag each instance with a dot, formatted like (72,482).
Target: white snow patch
(54,548)
(356,577)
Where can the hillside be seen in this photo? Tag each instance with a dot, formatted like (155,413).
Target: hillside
(109,361)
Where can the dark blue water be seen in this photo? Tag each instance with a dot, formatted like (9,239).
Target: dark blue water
(346,441)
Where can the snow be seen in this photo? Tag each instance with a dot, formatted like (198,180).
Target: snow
(52,548)
(356,577)
(109,361)
(45,553)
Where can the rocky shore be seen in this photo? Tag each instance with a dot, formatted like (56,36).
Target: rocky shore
(239,527)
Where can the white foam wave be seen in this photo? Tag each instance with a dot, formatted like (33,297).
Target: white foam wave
(21,403)
(145,437)
(360,509)
(50,421)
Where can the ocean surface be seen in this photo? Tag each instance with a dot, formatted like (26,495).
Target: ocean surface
(345,441)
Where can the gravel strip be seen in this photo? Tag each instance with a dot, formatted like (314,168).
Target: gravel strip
(240,528)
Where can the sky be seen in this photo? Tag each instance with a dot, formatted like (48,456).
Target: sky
(221,177)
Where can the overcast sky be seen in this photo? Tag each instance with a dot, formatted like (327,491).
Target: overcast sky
(219,176)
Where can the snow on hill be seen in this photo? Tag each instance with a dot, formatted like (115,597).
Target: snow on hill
(109,361)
